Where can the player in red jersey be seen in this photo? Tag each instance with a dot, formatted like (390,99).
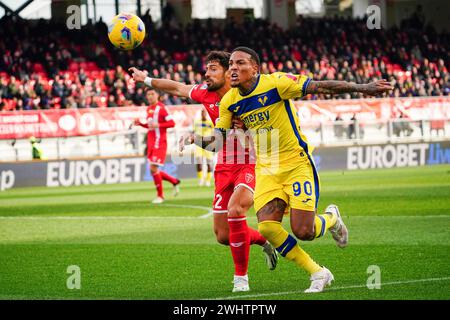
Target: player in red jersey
(158,121)
(234,174)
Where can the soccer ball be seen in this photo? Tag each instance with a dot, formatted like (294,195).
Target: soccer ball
(126,31)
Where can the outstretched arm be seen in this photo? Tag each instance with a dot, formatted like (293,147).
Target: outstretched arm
(169,86)
(333,87)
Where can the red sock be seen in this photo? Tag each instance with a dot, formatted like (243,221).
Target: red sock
(158,183)
(168,177)
(256,237)
(239,244)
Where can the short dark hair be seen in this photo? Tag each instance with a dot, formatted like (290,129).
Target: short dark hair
(222,57)
(253,55)
(159,92)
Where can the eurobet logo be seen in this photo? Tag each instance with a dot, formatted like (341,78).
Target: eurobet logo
(396,155)
(437,154)
(7,179)
(386,156)
(82,172)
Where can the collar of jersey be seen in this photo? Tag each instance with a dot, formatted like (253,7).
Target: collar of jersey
(253,89)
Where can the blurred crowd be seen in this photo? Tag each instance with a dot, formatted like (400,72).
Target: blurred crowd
(45,65)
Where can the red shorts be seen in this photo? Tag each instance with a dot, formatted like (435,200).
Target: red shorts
(157,156)
(227,178)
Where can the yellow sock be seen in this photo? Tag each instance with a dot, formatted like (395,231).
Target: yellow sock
(323,222)
(208,176)
(287,245)
(199,175)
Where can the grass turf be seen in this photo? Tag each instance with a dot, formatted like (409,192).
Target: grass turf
(127,248)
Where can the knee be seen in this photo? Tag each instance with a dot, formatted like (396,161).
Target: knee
(304,233)
(222,237)
(269,229)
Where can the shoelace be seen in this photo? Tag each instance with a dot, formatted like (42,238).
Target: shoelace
(239,282)
(317,283)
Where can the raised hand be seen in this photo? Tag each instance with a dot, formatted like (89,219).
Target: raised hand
(138,75)
(377,87)
(185,139)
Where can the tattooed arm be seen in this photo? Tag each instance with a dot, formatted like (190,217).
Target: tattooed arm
(334,87)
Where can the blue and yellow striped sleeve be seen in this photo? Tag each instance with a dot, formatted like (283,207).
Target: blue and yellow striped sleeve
(224,121)
(291,86)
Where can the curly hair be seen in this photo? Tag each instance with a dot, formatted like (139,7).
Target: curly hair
(222,57)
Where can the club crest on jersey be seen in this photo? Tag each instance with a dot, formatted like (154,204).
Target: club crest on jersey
(249,177)
(151,111)
(262,100)
(204,86)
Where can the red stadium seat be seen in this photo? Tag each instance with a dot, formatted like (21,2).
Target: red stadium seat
(92,66)
(38,68)
(74,66)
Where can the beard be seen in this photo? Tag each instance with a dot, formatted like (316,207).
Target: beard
(213,86)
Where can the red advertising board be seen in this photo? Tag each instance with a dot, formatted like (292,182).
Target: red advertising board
(82,122)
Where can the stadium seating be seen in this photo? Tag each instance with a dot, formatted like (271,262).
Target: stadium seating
(80,69)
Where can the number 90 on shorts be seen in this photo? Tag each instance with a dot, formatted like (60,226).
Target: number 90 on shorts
(298,187)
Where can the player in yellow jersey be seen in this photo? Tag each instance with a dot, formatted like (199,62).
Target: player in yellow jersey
(203,127)
(285,173)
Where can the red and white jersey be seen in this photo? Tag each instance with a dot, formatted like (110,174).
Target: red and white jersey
(232,152)
(158,114)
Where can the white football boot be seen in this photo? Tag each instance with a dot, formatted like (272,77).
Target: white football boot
(320,280)
(339,231)
(176,188)
(271,255)
(158,200)
(240,283)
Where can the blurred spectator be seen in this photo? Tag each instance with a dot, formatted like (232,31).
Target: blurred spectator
(338,127)
(139,97)
(353,126)
(45,61)
(402,127)
(36,150)
(111,101)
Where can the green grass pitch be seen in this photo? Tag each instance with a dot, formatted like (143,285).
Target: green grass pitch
(127,248)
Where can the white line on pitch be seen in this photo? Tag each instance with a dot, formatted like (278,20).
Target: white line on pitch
(207,209)
(207,215)
(95,217)
(326,290)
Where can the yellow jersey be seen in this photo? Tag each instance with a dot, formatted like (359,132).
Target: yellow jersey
(269,113)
